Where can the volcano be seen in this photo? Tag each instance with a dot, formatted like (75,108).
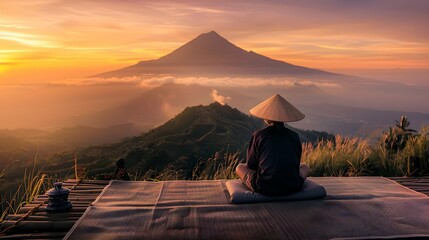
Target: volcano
(211,55)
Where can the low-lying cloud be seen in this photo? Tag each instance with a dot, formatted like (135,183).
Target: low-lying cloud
(154,81)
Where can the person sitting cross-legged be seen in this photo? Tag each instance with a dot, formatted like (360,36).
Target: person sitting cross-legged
(273,165)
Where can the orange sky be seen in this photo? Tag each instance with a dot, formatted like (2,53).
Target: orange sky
(49,40)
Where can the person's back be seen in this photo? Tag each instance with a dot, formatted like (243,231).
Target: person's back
(275,153)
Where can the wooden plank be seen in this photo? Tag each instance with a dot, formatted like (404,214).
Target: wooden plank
(72,195)
(50,214)
(38,202)
(87,191)
(409,178)
(97,182)
(45,215)
(41,218)
(84,185)
(43,209)
(82,197)
(31,205)
(47,235)
(406,181)
(39,225)
(416,185)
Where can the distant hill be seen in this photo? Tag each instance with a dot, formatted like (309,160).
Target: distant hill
(79,136)
(197,132)
(354,121)
(212,55)
(13,149)
(19,147)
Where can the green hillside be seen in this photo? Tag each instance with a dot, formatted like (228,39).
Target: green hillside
(196,133)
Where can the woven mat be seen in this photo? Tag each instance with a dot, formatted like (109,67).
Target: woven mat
(353,208)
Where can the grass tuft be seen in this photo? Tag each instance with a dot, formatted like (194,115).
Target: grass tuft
(219,166)
(33,183)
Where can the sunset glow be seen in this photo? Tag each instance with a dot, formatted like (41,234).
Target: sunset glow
(50,40)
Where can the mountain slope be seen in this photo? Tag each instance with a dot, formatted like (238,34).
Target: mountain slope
(196,133)
(20,147)
(212,55)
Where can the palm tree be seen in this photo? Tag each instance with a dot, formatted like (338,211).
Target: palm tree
(398,135)
(403,125)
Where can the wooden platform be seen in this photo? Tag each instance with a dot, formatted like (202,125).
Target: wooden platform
(33,222)
(417,184)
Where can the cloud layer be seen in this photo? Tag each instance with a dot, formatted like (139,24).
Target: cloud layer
(154,81)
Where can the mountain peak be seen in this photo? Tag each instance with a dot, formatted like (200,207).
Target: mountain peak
(211,34)
(207,48)
(211,37)
(210,54)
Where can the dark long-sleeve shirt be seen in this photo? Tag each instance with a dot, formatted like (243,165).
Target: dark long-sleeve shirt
(275,154)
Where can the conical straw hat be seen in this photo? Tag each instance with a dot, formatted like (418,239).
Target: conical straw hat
(276,108)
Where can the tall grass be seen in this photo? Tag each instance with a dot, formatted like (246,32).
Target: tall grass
(356,157)
(219,166)
(33,183)
(340,157)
